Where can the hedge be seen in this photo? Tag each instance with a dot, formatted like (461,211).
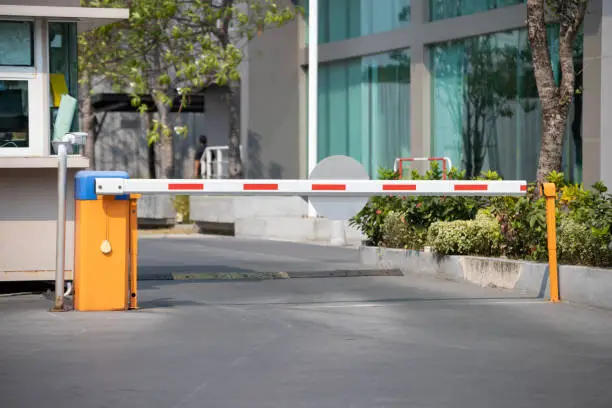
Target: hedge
(513,227)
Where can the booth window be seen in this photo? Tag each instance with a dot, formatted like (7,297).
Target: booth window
(16,58)
(16,43)
(63,65)
(14,113)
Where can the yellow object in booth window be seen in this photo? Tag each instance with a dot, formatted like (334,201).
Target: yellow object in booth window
(58,88)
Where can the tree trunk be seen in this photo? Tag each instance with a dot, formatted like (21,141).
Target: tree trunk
(166,149)
(555,99)
(88,122)
(234,159)
(151,156)
(551,149)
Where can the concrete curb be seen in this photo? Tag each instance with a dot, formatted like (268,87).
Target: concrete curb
(260,276)
(578,284)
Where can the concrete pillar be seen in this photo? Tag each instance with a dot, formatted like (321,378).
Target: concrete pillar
(597,121)
(420,88)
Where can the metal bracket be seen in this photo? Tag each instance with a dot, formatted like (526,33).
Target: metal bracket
(110,186)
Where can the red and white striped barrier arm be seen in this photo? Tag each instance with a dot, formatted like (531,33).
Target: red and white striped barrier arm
(326,188)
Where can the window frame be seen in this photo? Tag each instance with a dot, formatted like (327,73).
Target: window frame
(7,75)
(37,76)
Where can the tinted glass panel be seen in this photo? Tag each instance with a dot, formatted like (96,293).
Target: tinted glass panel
(344,19)
(485,107)
(14,124)
(364,109)
(16,43)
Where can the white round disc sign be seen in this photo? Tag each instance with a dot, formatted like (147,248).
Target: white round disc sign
(338,168)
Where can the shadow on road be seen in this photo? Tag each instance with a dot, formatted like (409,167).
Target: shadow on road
(164,303)
(144,271)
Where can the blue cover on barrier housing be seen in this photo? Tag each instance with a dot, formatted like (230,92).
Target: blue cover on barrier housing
(85,183)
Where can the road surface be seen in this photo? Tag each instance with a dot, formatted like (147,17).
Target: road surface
(364,342)
(212,254)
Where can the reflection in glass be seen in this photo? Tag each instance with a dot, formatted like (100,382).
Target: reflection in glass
(364,109)
(485,107)
(343,19)
(16,43)
(14,126)
(443,9)
(63,53)
(63,62)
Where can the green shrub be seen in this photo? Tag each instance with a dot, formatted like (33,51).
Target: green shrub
(523,226)
(181,206)
(397,233)
(579,244)
(371,218)
(511,226)
(481,236)
(419,212)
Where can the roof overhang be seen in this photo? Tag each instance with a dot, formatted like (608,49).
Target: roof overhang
(118,102)
(87,18)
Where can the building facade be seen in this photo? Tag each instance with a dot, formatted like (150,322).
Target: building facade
(402,78)
(38,66)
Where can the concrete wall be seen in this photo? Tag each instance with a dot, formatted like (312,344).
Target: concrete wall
(122,143)
(28,214)
(605,164)
(278,218)
(597,128)
(578,284)
(274,147)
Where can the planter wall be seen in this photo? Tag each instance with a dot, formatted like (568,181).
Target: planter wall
(579,284)
(281,218)
(156,211)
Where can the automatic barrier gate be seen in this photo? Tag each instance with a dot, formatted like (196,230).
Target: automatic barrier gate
(105,230)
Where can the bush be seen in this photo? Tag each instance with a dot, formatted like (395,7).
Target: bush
(397,233)
(418,212)
(481,236)
(579,244)
(371,218)
(181,206)
(523,226)
(511,226)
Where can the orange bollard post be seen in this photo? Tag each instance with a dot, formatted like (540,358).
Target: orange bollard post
(134,250)
(550,192)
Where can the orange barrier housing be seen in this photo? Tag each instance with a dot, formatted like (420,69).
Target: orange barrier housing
(101,246)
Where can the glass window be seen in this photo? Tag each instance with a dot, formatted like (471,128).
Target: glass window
(63,65)
(16,43)
(14,124)
(343,19)
(485,106)
(443,9)
(364,109)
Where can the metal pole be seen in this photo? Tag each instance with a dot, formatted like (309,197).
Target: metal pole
(313,86)
(134,251)
(550,192)
(60,245)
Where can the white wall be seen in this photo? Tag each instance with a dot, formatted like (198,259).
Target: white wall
(28,214)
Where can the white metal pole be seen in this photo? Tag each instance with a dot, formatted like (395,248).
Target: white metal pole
(313,86)
(60,244)
(207,163)
(220,163)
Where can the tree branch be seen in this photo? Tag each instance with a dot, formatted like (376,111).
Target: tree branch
(542,67)
(567,36)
